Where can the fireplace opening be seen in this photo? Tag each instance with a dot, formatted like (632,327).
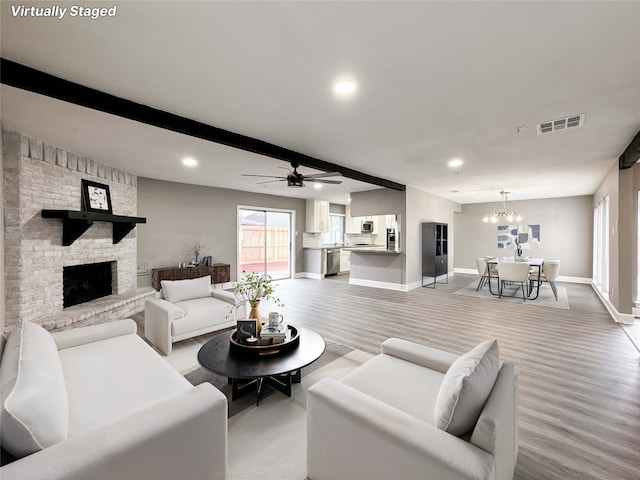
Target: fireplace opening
(83,283)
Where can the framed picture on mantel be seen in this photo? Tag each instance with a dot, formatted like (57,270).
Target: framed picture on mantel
(96,197)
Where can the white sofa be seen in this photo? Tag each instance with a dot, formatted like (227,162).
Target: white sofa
(414,412)
(99,403)
(188,308)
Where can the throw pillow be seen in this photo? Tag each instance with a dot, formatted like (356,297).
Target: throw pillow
(179,290)
(466,387)
(35,406)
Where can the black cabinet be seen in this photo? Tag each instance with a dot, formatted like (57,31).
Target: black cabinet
(435,248)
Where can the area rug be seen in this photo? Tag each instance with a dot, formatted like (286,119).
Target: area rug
(269,441)
(545,299)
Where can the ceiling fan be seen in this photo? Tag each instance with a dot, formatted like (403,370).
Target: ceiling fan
(295,179)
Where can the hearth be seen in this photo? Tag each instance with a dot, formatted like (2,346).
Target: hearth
(83,283)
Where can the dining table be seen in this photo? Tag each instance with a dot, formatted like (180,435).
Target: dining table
(532,261)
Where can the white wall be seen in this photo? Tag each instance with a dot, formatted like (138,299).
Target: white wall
(622,186)
(425,207)
(566,233)
(179,215)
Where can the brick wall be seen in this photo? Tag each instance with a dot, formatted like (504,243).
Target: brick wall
(40,176)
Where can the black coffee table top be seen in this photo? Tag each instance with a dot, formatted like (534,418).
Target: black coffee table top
(216,356)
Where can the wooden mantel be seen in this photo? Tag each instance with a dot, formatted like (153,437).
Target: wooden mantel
(75,223)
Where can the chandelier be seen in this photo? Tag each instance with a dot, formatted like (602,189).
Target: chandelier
(504,213)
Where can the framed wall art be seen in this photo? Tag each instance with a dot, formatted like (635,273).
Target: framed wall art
(96,197)
(528,236)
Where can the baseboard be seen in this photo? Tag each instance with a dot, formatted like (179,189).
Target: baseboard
(371,283)
(586,281)
(315,276)
(470,271)
(618,317)
(413,286)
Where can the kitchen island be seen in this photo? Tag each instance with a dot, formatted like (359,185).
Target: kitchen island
(370,265)
(377,267)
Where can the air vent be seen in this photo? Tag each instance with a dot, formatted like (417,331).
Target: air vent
(561,124)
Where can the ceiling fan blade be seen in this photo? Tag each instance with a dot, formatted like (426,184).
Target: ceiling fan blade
(288,170)
(270,181)
(323,175)
(263,176)
(319,180)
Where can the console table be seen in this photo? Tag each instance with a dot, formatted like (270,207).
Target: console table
(219,273)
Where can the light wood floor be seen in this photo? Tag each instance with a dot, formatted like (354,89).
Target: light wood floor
(579,373)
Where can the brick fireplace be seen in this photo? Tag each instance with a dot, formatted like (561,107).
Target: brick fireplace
(40,176)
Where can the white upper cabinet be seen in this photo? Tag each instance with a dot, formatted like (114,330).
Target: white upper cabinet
(317,216)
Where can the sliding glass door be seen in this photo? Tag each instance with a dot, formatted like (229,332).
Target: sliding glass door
(264,241)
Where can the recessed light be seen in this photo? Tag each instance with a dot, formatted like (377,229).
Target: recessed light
(344,88)
(454,163)
(189,162)
(317,186)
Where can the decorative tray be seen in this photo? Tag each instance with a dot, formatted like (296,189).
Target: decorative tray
(266,346)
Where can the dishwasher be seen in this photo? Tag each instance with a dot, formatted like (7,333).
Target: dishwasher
(333,262)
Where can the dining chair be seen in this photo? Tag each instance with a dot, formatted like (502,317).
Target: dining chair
(515,272)
(481,265)
(487,271)
(550,270)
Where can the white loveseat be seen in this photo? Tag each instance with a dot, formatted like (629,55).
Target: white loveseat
(188,308)
(99,403)
(414,412)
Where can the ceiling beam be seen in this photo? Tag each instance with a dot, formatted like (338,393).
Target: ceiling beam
(631,154)
(27,78)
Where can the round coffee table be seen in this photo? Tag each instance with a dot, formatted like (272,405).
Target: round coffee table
(246,370)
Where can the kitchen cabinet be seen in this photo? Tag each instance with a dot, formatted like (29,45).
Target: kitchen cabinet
(391,221)
(380,225)
(317,216)
(435,249)
(351,225)
(219,273)
(345,260)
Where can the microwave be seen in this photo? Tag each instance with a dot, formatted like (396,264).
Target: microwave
(367,226)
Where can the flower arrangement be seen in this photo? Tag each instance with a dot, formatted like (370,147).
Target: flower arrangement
(197,249)
(254,287)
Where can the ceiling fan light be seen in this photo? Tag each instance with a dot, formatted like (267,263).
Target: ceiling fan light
(519,218)
(485,219)
(293,181)
(494,219)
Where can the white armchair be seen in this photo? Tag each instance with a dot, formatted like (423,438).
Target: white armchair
(188,308)
(414,412)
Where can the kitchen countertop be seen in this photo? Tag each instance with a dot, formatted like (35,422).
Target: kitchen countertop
(379,249)
(375,250)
